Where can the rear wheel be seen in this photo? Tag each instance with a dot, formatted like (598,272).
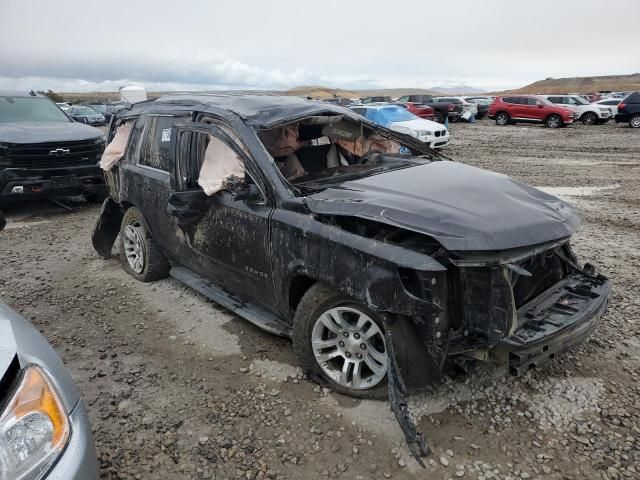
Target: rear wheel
(139,255)
(635,121)
(340,343)
(438,117)
(502,119)
(553,121)
(589,118)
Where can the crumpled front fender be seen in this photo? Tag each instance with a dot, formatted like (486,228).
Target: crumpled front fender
(107,227)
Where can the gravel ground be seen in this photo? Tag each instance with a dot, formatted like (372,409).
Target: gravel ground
(177,387)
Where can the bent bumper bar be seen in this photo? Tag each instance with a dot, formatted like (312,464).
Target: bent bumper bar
(558,319)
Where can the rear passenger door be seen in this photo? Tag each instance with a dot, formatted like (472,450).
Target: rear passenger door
(147,182)
(227,235)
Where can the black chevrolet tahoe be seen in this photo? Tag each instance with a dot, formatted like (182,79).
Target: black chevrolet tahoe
(44,153)
(379,258)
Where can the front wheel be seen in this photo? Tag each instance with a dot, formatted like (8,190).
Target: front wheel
(438,117)
(589,118)
(139,255)
(553,121)
(340,343)
(635,121)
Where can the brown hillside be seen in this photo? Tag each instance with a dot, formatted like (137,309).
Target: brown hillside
(583,84)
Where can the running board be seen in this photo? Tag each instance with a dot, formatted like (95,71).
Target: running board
(260,317)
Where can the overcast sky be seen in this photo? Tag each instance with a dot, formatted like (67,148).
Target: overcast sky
(84,45)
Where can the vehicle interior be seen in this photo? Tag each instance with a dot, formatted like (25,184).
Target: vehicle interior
(321,148)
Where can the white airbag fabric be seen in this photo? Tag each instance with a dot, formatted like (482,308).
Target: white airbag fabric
(117,147)
(220,164)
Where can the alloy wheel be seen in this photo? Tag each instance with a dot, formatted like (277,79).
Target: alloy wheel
(349,347)
(635,122)
(134,247)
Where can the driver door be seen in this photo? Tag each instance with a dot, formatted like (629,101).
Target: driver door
(227,235)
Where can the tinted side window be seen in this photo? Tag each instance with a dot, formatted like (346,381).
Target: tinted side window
(135,139)
(532,101)
(156,152)
(611,102)
(508,100)
(555,99)
(633,98)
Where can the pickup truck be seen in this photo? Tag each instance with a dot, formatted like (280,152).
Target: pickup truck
(442,110)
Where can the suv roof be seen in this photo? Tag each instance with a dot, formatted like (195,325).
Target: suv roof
(259,110)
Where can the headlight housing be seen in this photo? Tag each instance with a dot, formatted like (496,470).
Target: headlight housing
(34,428)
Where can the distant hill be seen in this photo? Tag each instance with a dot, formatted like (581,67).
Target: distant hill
(582,84)
(324,92)
(459,90)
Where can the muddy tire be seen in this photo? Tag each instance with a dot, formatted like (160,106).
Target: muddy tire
(589,118)
(553,121)
(339,343)
(139,255)
(634,122)
(502,119)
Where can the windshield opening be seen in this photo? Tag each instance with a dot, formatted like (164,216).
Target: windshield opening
(318,151)
(30,109)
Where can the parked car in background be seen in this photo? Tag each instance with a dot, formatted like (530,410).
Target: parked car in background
(442,110)
(611,103)
(101,109)
(510,109)
(376,99)
(482,103)
(43,153)
(468,108)
(84,114)
(629,110)
(589,113)
(44,428)
(345,102)
(64,106)
(399,119)
(422,111)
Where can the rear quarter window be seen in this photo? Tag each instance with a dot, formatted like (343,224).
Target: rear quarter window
(633,98)
(156,152)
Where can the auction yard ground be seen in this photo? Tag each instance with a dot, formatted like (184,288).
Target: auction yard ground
(178,387)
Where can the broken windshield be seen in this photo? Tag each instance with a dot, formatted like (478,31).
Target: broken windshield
(323,150)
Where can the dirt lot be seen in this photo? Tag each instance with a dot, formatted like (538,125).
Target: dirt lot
(177,387)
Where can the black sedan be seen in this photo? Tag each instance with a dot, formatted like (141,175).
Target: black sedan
(87,115)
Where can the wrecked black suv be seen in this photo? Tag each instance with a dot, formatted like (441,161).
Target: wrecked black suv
(378,257)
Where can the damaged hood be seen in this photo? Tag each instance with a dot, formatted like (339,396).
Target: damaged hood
(42,132)
(463,207)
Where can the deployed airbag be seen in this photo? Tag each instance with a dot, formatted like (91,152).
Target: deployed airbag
(220,165)
(117,147)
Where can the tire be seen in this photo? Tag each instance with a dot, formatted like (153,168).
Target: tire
(438,117)
(502,119)
(590,118)
(553,121)
(152,265)
(634,122)
(308,322)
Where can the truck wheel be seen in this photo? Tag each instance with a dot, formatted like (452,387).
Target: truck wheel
(139,255)
(553,121)
(589,118)
(438,117)
(502,119)
(635,121)
(340,343)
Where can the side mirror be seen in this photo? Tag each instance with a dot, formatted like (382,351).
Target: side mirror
(249,192)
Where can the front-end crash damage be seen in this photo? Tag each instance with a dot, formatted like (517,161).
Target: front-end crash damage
(516,308)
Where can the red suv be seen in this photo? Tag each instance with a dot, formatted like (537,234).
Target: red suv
(528,108)
(422,111)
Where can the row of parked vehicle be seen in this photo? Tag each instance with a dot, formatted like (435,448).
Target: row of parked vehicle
(551,110)
(96,114)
